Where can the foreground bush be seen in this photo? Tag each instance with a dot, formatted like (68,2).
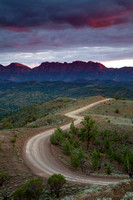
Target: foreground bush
(31,189)
(3,177)
(56,182)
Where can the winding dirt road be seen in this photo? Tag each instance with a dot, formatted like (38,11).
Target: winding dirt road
(41,160)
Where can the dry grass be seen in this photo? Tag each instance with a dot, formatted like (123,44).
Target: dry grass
(111,192)
(125,108)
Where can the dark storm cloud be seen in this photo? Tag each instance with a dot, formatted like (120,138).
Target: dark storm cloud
(20,15)
(65,30)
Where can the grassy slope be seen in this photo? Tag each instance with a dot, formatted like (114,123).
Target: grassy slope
(44,114)
(11,156)
(15,96)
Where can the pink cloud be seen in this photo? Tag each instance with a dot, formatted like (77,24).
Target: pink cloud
(18,30)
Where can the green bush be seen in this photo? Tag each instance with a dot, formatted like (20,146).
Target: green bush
(76,144)
(126,135)
(31,189)
(116,136)
(126,164)
(116,97)
(49,120)
(4,177)
(117,110)
(56,182)
(118,157)
(13,140)
(66,147)
(57,137)
(111,154)
(98,141)
(75,161)
(73,129)
(107,142)
(108,169)
(95,160)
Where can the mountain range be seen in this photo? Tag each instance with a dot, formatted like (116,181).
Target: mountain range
(67,72)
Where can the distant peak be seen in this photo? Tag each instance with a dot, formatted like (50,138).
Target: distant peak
(18,64)
(15,64)
(90,61)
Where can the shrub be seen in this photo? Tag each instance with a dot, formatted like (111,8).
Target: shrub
(13,140)
(57,137)
(19,194)
(95,160)
(5,194)
(56,182)
(107,142)
(4,177)
(111,154)
(118,157)
(75,161)
(108,169)
(117,110)
(116,97)
(73,129)
(126,135)
(76,144)
(116,136)
(49,120)
(98,141)
(66,147)
(31,189)
(126,164)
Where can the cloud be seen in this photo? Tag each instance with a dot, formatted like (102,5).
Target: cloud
(97,54)
(64,13)
(61,29)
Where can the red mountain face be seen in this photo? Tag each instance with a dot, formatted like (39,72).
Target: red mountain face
(56,71)
(17,67)
(14,72)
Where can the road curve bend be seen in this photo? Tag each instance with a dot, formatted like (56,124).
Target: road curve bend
(40,159)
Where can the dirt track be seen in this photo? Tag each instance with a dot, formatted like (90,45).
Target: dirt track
(41,160)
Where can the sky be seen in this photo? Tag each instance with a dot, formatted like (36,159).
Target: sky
(35,31)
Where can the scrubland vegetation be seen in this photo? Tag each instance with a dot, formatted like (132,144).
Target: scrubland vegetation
(89,149)
(98,147)
(45,111)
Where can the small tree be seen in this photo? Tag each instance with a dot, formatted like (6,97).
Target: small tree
(127,164)
(3,177)
(31,189)
(116,97)
(117,110)
(73,129)
(108,170)
(56,182)
(19,194)
(95,160)
(75,161)
(57,137)
(88,131)
(66,147)
(81,159)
